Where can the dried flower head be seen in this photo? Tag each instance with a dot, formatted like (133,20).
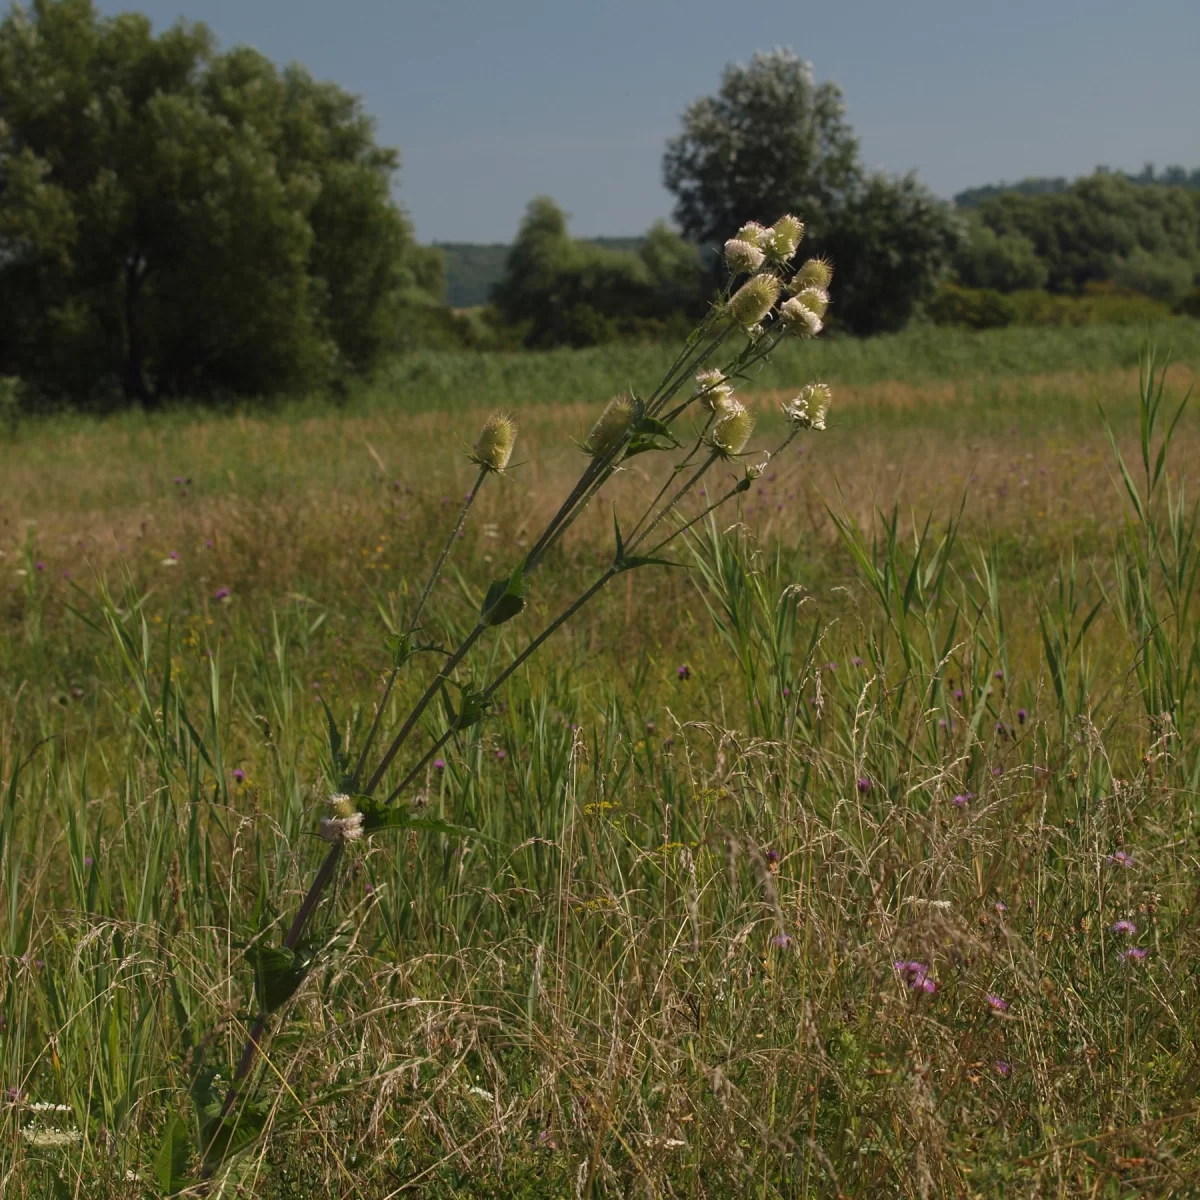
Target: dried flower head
(741,257)
(713,389)
(752,233)
(611,427)
(732,430)
(496,440)
(816,273)
(784,237)
(799,319)
(754,299)
(809,409)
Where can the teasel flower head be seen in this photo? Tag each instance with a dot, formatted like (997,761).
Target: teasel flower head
(611,426)
(753,233)
(783,238)
(815,299)
(713,389)
(809,409)
(732,430)
(346,822)
(496,440)
(742,258)
(799,319)
(754,299)
(816,273)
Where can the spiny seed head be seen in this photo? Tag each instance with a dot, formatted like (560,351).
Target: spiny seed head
(817,272)
(732,430)
(799,319)
(496,440)
(342,829)
(713,389)
(611,427)
(340,805)
(753,233)
(809,409)
(815,299)
(784,237)
(754,299)
(741,257)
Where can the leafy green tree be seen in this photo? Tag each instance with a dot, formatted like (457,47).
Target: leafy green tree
(772,140)
(996,262)
(567,292)
(892,242)
(177,221)
(1106,227)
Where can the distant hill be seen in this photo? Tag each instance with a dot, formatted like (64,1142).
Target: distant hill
(473,268)
(1173,176)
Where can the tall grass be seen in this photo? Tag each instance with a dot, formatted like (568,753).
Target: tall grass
(717,833)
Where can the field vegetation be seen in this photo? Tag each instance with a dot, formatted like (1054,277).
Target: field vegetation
(856,855)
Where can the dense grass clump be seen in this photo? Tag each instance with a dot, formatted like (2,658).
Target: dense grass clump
(858,857)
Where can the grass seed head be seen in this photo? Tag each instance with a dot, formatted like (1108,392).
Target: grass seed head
(496,440)
(754,299)
(611,426)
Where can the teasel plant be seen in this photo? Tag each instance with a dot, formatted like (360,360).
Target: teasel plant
(765,300)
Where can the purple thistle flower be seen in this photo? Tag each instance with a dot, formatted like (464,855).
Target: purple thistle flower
(1120,858)
(222,593)
(39,566)
(772,856)
(864,785)
(916,975)
(1021,716)
(996,1003)
(178,478)
(997,772)
(1003,1069)
(831,666)
(501,755)
(1000,907)
(999,674)
(958,693)
(173,555)
(1134,953)
(787,691)
(683,672)
(239,776)
(439,764)
(781,941)
(1126,927)
(963,799)
(857,661)
(88,860)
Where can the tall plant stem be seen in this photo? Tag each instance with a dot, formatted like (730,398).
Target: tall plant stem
(412,624)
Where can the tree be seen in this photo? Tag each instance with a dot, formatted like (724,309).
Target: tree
(770,141)
(174,221)
(773,141)
(568,292)
(891,243)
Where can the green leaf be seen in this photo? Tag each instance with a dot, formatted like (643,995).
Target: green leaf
(505,598)
(222,1137)
(338,756)
(379,816)
(174,1154)
(636,560)
(400,645)
(277,975)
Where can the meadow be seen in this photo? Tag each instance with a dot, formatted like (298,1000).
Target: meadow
(854,855)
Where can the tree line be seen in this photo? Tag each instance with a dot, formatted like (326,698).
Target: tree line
(175,221)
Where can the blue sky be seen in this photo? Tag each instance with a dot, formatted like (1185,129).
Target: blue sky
(494,101)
